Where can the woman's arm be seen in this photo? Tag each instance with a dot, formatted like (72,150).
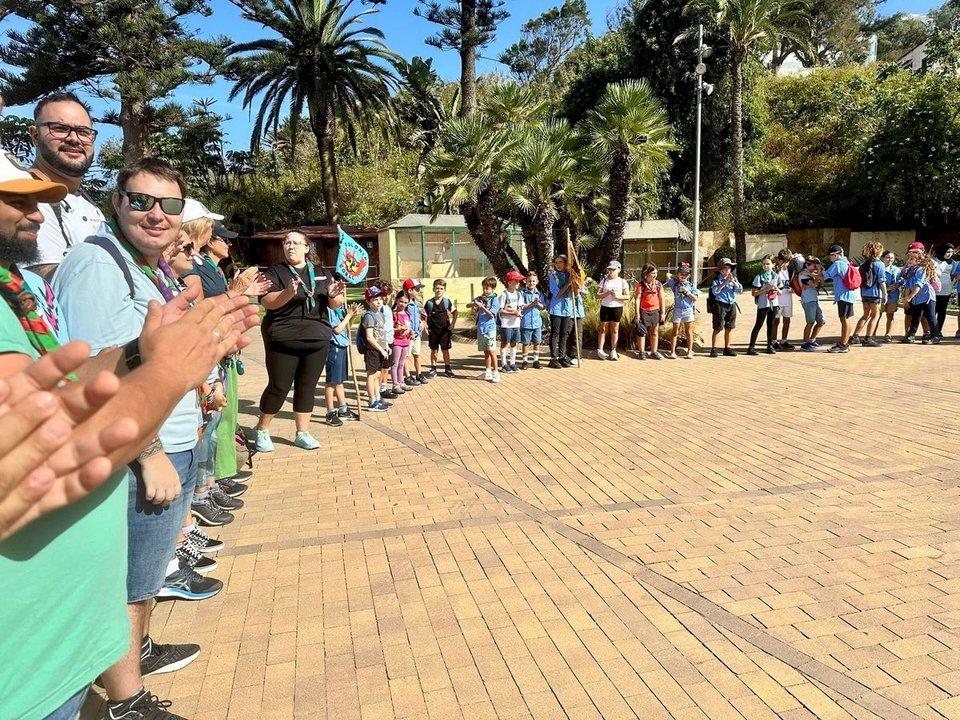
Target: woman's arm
(194,281)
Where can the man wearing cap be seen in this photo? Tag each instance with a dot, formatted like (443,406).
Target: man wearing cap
(64,137)
(413,288)
(843,296)
(64,585)
(724,290)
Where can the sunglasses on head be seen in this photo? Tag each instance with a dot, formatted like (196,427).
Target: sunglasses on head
(142,202)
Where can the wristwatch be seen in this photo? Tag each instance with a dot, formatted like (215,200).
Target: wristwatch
(131,354)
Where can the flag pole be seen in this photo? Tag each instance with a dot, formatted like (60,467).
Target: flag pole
(576,329)
(353,368)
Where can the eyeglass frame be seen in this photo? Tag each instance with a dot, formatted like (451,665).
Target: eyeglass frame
(155,200)
(71,129)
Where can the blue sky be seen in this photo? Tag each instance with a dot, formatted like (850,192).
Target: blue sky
(405,34)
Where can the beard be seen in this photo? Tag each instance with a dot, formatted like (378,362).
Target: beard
(61,163)
(13,250)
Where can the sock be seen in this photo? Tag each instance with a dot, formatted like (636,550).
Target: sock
(344,407)
(536,355)
(513,355)
(503,356)
(526,357)
(146,647)
(189,528)
(124,705)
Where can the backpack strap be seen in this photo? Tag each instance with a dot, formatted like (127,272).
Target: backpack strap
(114,252)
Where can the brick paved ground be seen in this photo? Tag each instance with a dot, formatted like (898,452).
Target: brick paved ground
(753,537)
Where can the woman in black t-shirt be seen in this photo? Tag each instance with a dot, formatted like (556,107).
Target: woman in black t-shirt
(296,336)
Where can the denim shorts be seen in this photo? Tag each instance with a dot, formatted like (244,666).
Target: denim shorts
(812,312)
(531,336)
(70,710)
(336,365)
(683,316)
(510,336)
(152,529)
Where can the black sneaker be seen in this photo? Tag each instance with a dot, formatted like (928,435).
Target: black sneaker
(729,352)
(241,476)
(222,500)
(232,488)
(422,378)
(787,347)
(564,362)
(187,584)
(524,365)
(771,351)
(432,374)
(333,419)
(145,707)
(555,364)
(203,542)
(347,413)
(389,394)
(195,559)
(447,372)
(209,515)
(411,380)
(158,659)
(907,339)
(536,364)
(714,353)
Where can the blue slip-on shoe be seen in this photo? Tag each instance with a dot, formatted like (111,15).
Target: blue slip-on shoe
(264,443)
(306,441)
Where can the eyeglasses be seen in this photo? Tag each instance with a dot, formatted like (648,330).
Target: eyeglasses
(293,243)
(61,131)
(141,202)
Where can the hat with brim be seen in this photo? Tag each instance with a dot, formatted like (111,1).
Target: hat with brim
(196,210)
(514,276)
(726,262)
(372,292)
(222,231)
(15,180)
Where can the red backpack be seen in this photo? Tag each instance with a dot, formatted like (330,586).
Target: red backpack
(852,279)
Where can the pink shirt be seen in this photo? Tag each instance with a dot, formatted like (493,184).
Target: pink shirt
(401,338)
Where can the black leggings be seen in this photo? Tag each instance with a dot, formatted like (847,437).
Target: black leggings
(770,316)
(927,309)
(298,364)
(560,328)
(942,302)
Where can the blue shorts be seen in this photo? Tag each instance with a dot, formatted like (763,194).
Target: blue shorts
(531,336)
(683,316)
(812,312)
(70,710)
(152,530)
(336,365)
(510,336)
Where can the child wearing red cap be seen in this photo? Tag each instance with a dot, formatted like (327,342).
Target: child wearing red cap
(417,318)
(511,308)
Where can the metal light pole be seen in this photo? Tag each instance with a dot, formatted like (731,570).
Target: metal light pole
(703,52)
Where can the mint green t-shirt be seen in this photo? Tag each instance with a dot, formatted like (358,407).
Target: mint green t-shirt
(63,616)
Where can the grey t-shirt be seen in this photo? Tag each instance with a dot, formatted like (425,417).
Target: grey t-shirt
(374,320)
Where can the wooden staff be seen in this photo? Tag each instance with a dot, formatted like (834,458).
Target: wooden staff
(353,366)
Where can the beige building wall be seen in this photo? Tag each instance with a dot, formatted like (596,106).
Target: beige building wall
(898,241)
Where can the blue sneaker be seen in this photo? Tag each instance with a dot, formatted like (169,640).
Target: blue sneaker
(187,584)
(808,347)
(816,344)
(264,443)
(376,407)
(384,404)
(306,441)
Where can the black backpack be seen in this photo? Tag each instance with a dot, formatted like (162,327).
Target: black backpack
(868,273)
(711,299)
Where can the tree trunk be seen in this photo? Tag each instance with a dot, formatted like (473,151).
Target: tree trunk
(610,246)
(538,238)
(468,57)
(136,133)
(484,226)
(323,124)
(736,123)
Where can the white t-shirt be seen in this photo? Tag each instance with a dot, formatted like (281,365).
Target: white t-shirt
(510,301)
(946,276)
(619,287)
(80,219)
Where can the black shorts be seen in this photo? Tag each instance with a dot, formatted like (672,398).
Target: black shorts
(439,338)
(844,309)
(373,361)
(871,300)
(725,316)
(610,314)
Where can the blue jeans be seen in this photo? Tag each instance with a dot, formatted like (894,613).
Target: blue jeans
(207,451)
(152,529)
(70,710)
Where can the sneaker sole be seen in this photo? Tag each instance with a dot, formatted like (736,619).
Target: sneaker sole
(217,547)
(172,667)
(178,594)
(208,523)
(235,493)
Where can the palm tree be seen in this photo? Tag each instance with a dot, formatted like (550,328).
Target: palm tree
(751,26)
(324,60)
(630,128)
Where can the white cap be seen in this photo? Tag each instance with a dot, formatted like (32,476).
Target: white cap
(194,210)
(614,265)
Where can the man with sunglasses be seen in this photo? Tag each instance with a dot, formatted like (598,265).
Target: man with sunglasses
(64,138)
(104,286)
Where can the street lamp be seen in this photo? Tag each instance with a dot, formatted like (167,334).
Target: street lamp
(703,52)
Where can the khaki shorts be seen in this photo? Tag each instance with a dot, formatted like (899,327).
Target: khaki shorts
(415,346)
(487,342)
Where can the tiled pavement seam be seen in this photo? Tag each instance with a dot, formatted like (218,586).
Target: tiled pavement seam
(808,666)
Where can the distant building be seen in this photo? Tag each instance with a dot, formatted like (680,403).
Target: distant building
(916,59)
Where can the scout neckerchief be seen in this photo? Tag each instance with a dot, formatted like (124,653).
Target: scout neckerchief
(209,260)
(766,278)
(24,305)
(311,291)
(163,280)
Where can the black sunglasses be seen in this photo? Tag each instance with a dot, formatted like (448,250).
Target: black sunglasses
(141,202)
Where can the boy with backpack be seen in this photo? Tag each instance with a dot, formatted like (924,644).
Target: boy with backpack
(722,305)
(810,280)
(789,265)
(531,321)
(873,293)
(441,319)
(846,279)
(372,344)
(487,307)
(511,303)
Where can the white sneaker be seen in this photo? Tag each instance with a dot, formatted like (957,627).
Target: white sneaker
(614,356)
(574,362)
(602,355)
(496,376)
(488,374)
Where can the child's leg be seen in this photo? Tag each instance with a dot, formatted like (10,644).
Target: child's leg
(503,351)
(688,329)
(341,395)
(816,330)
(614,336)
(513,353)
(433,358)
(874,320)
(726,338)
(373,387)
(328,396)
(397,367)
(844,331)
(758,323)
(771,326)
(786,328)
(446,357)
(654,332)
(713,339)
(417,369)
(807,329)
(602,339)
(676,334)
(863,321)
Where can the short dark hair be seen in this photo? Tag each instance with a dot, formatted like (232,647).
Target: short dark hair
(151,166)
(489,282)
(56,97)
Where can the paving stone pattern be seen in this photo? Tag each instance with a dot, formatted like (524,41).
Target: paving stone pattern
(758,537)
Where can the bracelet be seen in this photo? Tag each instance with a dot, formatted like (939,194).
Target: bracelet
(150,450)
